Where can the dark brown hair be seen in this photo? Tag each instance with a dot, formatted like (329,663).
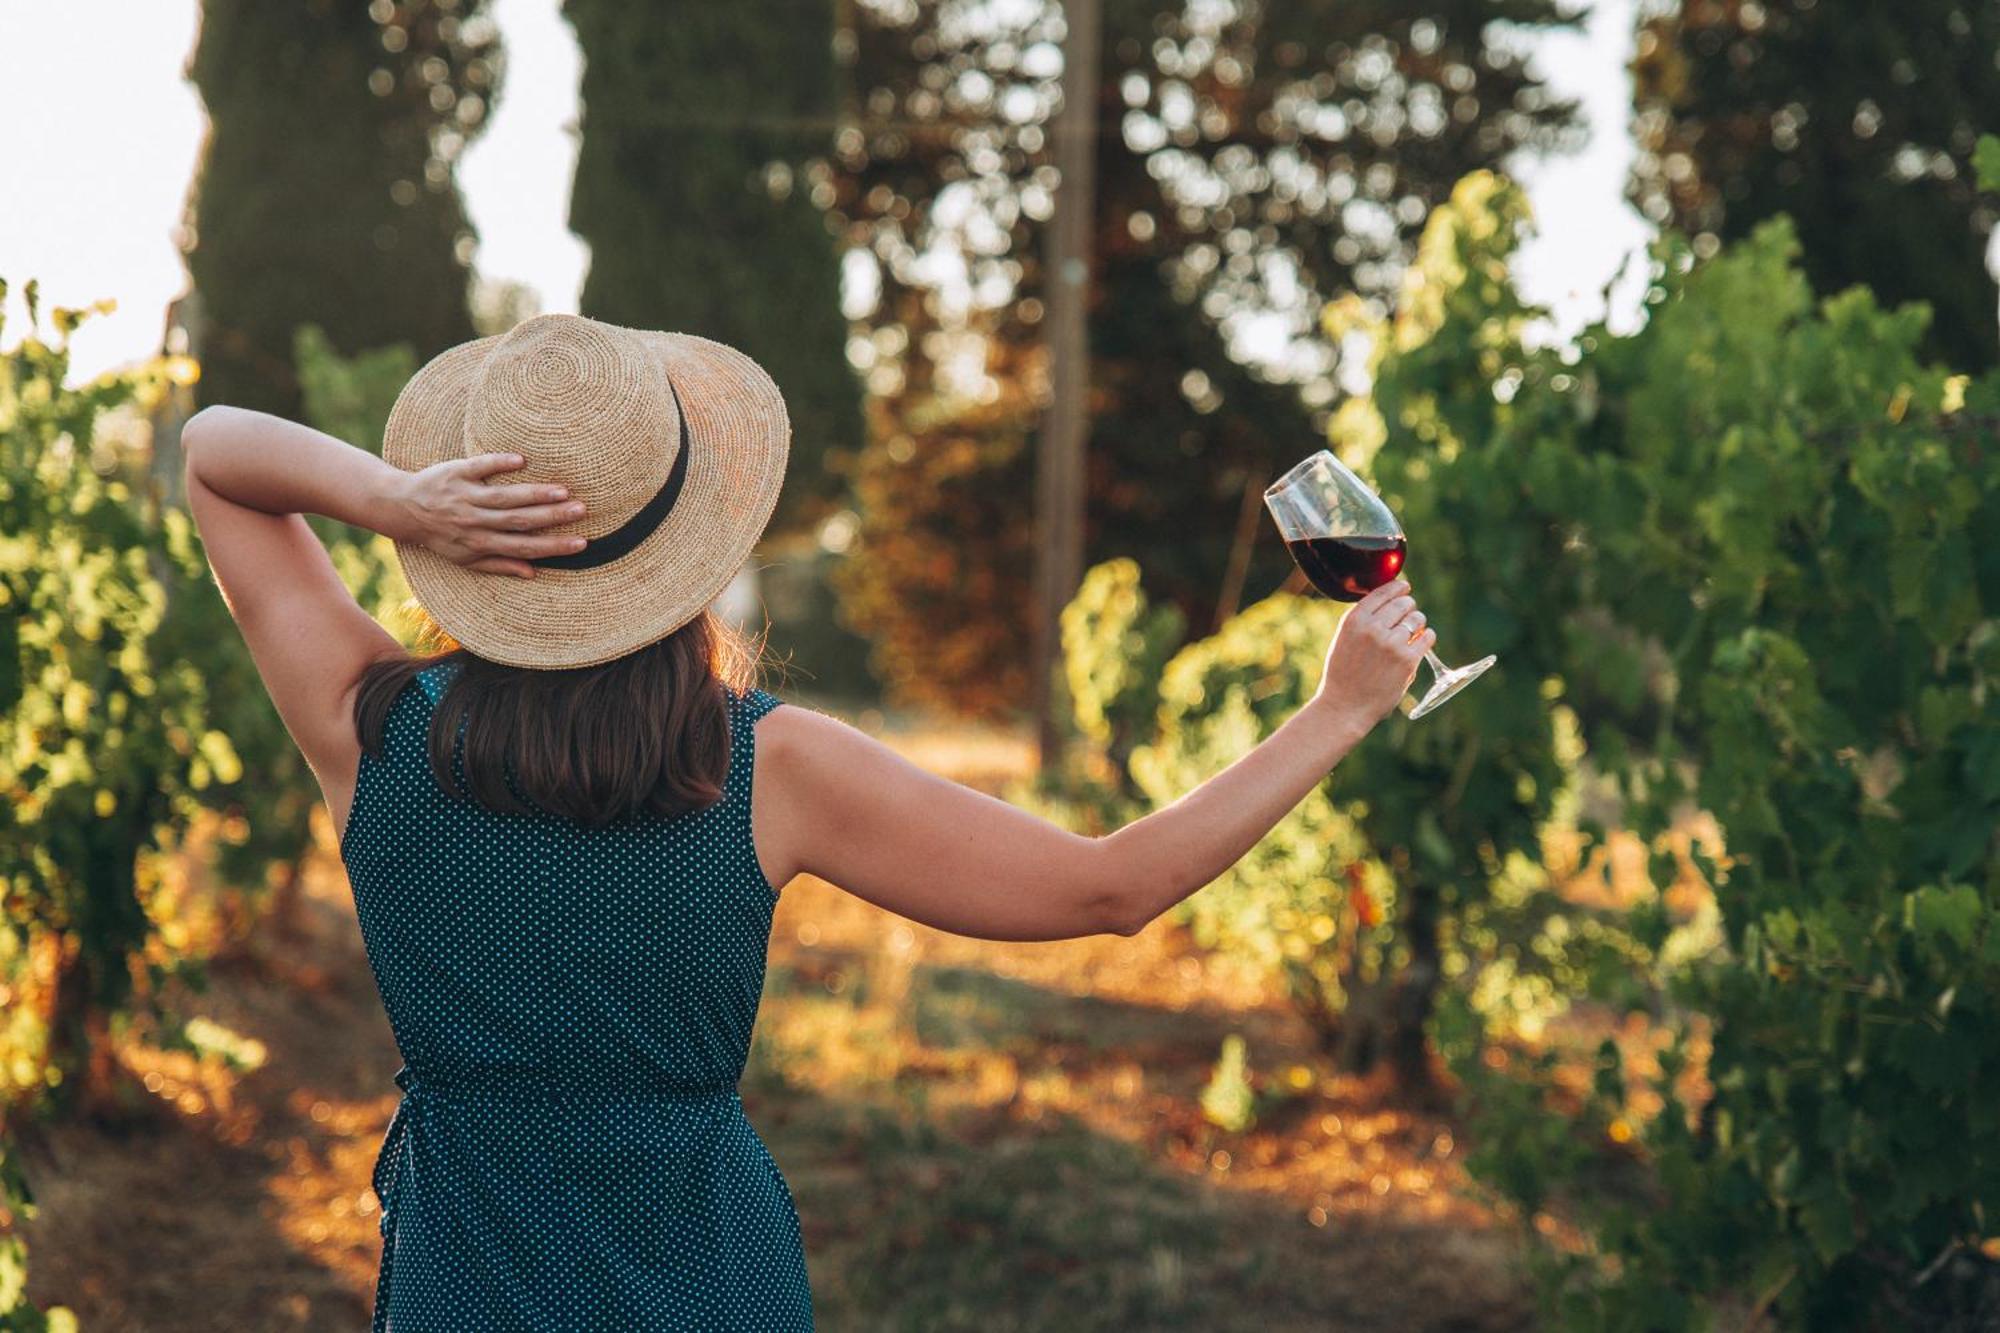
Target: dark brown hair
(648,731)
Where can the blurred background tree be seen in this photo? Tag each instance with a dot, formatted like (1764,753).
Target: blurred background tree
(700,187)
(1858,121)
(944,587)
(325,191)
(1254,159)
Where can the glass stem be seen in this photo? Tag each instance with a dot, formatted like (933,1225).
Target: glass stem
(1440,668)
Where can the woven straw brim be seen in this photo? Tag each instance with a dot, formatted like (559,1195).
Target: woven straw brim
(740,435)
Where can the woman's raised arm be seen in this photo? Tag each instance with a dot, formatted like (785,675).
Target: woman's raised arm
(836,803)
(251,477)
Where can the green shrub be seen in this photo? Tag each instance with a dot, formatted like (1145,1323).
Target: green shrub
(105,743)
(1792,630)
(1227,1099)
(1285,905)
(1736,564)
(1114,646)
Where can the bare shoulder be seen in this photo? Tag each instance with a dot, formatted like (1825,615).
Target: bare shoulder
(796,743)
(792,719)
(805,741)
(779,827)
(816,773)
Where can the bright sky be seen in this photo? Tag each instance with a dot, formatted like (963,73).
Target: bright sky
(1585,229)
(105,136)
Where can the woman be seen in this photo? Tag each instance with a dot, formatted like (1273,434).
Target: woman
(564,872)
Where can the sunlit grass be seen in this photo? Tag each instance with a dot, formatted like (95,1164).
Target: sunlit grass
(1009,1135)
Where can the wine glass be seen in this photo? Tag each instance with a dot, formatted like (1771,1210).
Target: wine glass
(1348,543)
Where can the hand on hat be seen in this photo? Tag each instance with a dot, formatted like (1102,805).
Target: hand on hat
(451,508)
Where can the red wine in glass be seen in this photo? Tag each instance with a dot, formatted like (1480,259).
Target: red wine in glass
(1348,543)
(1348,568)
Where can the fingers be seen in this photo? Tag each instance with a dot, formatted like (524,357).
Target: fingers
(1413,624)
(1388,603)
(1372,602)
(485,465)
(1391,612)
(519,495)
(532,516)
(528,548)
(497,565)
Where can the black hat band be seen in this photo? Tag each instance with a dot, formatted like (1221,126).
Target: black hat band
(622,539)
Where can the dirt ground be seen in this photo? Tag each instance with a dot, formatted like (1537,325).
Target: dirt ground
(978,1135)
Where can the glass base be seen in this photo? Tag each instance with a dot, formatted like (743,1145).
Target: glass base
(1449,683)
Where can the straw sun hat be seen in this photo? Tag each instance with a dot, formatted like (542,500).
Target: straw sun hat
(675,444)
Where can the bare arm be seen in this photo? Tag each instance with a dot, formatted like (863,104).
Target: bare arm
(250,478)
(871,822)
(1178,849)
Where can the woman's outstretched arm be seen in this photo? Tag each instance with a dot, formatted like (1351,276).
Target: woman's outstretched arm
(250,478)
(836,803)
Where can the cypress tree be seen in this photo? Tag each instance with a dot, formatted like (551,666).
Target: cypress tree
(325,192)
(700,186)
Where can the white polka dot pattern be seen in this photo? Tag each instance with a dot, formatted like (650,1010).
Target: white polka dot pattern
(573,1007)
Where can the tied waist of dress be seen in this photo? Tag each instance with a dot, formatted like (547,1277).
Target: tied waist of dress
(395,1155)
(504,1086)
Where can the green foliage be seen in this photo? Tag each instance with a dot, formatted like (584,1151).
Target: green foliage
(1858,121)
(349,397)
(1732,563)
(106,744)
(1986,163)
(1398,855)
(1227,1099)
(105,741)
(1776,609)
(1114,647)
(1308,882)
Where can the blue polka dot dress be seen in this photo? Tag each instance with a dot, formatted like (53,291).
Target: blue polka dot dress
(573,1007)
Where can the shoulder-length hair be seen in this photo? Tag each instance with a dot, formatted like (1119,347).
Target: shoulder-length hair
(648,731)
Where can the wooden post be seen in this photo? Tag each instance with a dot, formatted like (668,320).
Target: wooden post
(1059,476)
(1249,519)
(182,333)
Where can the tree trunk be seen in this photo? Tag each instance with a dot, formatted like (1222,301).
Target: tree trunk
(1387,1018)
(1415,992)
(80,1039)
